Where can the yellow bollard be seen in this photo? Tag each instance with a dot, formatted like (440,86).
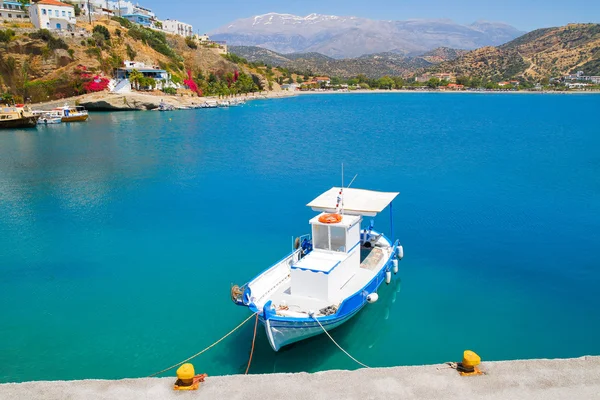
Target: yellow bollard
(468,366)
(186,380)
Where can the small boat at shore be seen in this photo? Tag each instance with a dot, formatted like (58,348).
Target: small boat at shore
(330,275)
(224,104)
(71,114)
(210,104)
(17,116)
(49,118)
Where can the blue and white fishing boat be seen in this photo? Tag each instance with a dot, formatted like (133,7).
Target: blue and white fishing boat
(331,274)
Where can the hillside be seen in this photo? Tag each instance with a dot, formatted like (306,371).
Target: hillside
(543,53)
(442,54)
(351,37)
(40,65)
(372,66)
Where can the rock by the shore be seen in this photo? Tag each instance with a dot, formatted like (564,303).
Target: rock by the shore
(104,101)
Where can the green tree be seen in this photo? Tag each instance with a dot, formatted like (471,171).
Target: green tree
(398,82)
(475,82)
(102,30)
(433,83)
(7,35)
(7,98)
(463,80)
(385,83)
(135,77)
(245,84)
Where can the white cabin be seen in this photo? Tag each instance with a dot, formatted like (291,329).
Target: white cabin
(334,260)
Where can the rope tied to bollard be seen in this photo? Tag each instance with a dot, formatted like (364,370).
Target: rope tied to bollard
(208,348)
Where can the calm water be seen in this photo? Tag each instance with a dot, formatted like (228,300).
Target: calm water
(120,237)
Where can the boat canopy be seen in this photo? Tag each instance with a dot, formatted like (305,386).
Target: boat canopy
(356,201)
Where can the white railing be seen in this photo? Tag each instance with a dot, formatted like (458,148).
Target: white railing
(269,281)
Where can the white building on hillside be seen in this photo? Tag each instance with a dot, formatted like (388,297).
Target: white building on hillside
(128,8)
(177,28)
(202,38)
(52,14)
(12,9)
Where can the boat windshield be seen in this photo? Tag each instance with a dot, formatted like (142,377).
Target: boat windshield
(327,237)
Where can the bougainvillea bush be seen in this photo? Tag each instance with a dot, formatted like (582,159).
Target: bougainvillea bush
(96,84)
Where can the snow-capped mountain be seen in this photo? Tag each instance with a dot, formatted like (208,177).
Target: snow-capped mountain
(343,37)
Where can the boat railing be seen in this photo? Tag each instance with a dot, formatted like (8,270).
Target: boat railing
(269,281)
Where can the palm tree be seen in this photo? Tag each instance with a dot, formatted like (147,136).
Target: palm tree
(136,77)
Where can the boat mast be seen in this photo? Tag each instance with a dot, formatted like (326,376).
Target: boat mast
(342,190)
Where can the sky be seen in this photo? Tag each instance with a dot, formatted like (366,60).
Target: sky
(525,15)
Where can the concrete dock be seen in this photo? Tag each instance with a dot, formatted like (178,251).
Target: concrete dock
(576,378)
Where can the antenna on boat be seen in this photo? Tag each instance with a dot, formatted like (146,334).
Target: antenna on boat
(339,207)
(342,190)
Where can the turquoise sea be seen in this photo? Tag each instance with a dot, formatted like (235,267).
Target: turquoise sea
(120,237)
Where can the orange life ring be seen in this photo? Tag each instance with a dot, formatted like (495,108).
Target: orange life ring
(330,218)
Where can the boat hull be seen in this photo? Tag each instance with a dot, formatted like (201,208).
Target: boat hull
(25,122)
(283,331)
(76,118)
(49,121)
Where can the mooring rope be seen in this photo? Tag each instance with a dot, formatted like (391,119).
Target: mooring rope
(206,349)
(252,349)
(339,347)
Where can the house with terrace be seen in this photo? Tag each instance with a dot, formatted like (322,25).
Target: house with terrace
(12,9)
(138,75)
(175,27)
(52,14)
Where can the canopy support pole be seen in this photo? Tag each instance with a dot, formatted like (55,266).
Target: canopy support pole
(391,221)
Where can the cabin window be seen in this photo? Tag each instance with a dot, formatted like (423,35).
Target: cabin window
(338,238)
(332,238)
(321,237)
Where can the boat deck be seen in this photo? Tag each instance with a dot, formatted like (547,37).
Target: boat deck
(287,304)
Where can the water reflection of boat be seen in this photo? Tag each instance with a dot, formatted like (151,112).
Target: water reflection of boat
(17,116)
(71,114)
(330,275)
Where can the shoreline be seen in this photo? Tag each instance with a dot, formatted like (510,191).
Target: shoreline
(103,101)
(139,101)
(577,378)
(377,91)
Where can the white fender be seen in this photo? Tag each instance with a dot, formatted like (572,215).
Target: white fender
(395,268)
(372,298)
(400,252)
(388,277)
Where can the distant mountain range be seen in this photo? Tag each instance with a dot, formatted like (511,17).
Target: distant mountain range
(372,65)
(351,37)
